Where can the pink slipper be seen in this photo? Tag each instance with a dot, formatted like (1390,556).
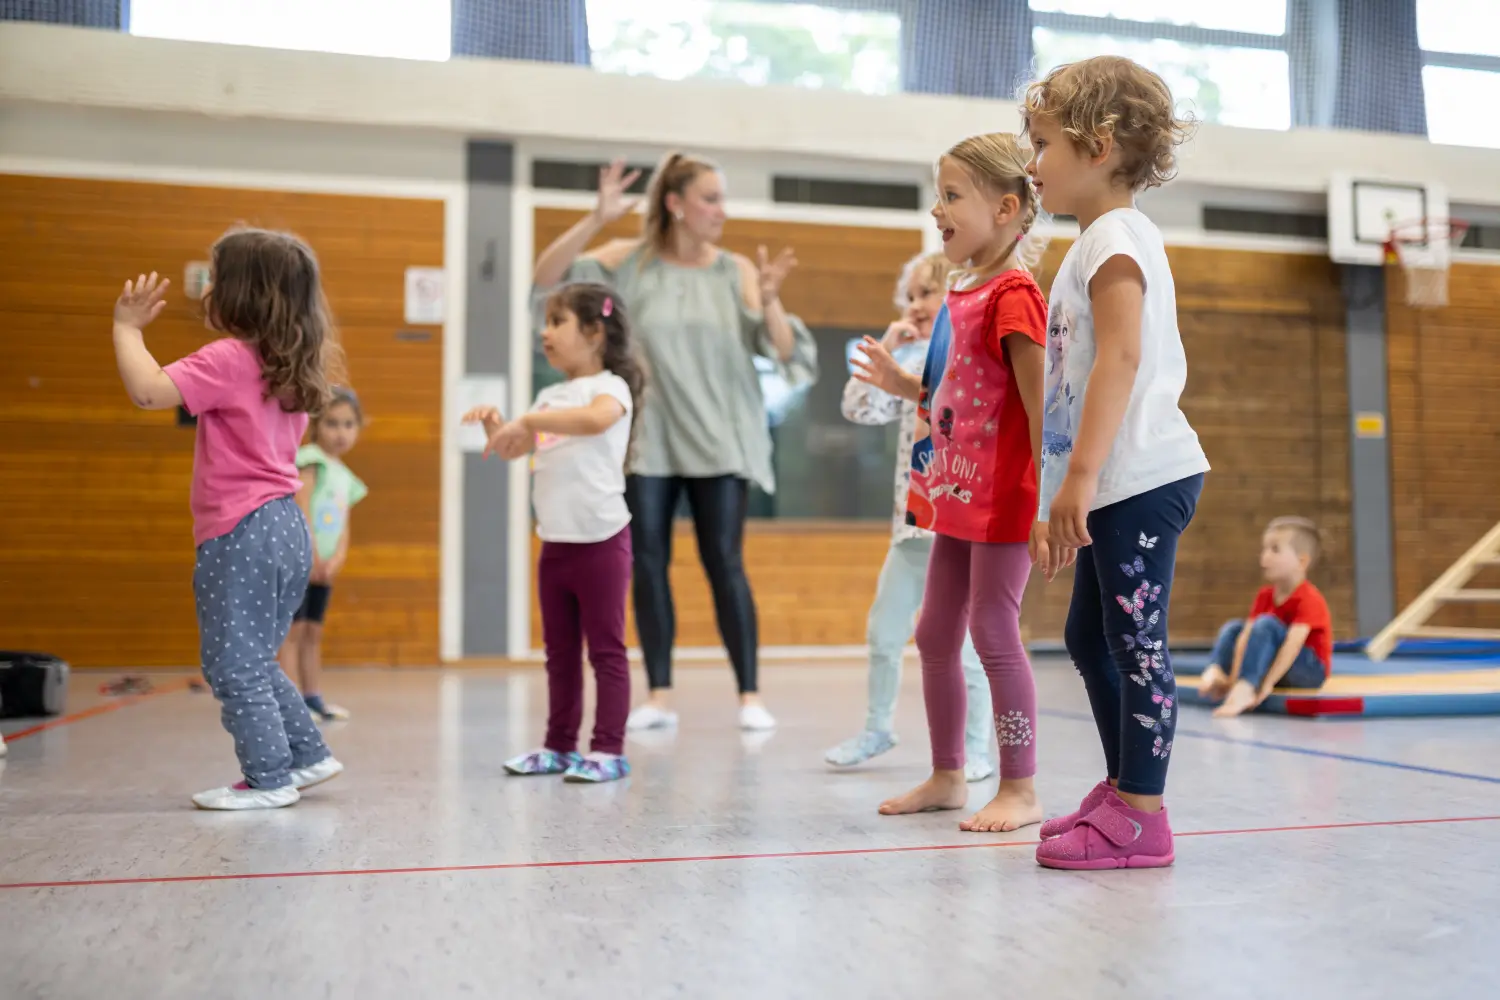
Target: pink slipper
(1059,825)
(1112,835)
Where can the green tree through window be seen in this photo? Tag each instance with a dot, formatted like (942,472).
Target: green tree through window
(749,42)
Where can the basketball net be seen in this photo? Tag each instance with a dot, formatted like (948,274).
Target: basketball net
(1424,251)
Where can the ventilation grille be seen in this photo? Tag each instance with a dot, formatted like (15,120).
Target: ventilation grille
(1261,223)
(850,194)
(1484,236)
(565,175)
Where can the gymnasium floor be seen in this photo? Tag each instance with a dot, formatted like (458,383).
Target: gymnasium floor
(1323,859)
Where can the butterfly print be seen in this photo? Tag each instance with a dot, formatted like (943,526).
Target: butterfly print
(1148,543)
(1164,700)
(1131,569)
(1149,723)
(1160,749)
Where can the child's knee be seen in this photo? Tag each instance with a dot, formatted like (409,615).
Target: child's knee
(1265,625)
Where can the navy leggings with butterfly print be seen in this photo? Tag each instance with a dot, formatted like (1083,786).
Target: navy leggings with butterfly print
(1117,629)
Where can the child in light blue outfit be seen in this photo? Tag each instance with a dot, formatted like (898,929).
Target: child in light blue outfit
(898,596)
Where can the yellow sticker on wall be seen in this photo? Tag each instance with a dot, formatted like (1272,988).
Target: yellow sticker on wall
(1369,425)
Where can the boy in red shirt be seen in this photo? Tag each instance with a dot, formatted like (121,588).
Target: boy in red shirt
(1288,638)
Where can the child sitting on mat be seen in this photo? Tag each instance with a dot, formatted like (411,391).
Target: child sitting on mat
(1288,638)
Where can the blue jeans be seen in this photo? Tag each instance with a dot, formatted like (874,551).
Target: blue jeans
(1267,633)
(1116,631)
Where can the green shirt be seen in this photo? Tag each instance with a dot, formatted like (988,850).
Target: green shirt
(335,491)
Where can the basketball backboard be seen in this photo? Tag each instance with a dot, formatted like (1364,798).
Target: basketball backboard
(1363,210)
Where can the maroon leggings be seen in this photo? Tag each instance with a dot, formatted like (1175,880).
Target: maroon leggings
(582,589)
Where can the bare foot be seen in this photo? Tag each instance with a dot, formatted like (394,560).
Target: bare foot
(1241,699)
(944,790)
(1015,805)
(1214,684)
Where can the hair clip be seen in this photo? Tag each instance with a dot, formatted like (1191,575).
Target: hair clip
(608,308)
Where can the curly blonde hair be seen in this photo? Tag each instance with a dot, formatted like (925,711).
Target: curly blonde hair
(1113,96)
(933,266)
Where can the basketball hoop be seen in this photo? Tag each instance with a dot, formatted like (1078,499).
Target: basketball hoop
(1424,250)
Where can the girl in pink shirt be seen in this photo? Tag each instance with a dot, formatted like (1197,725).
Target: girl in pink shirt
(251,392)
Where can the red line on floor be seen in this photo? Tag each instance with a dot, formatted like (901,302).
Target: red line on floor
(167,687)
(613,862)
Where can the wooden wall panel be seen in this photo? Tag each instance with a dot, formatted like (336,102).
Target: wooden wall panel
(1445,481)
(1268,396)
(98,550)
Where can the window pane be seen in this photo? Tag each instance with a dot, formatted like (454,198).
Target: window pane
(1266,17)
(757,43)
(1246,87)
(404,29)
(1459,26)
(1460,105)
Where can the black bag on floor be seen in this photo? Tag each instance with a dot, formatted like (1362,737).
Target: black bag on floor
(32,684)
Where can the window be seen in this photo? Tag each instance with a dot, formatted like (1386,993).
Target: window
(1261,18)
(403,29)
(1461,72)
(1226,64)
(748,41)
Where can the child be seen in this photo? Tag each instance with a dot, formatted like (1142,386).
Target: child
(580,431)
(974,477)
(328,490)
(1123,467)
(1288,637)
(251,392)
(898,595)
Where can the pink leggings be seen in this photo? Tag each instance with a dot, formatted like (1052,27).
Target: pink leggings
(992,578)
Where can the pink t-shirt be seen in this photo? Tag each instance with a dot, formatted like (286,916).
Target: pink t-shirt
(245,454)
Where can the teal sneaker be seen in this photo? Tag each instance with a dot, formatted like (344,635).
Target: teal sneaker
(598,767)
(542,762)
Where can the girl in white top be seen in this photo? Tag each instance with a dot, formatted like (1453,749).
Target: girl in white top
(579,434)
(1122,467)
(898,595)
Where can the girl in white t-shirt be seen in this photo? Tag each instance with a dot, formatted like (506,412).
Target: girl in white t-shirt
(578,433)
(1121,468)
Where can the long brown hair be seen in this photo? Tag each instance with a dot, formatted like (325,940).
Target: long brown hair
(267,291)
(673,175)
(593,304)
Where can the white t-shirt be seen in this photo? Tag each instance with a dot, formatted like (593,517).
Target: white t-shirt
(1155,445)
(578,483)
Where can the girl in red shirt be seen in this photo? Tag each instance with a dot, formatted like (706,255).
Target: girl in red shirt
(974,476)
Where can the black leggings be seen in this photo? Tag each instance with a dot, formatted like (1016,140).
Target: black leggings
(718,506)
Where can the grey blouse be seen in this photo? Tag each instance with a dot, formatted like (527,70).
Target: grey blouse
(703,414)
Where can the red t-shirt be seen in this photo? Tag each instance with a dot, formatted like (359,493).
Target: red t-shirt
(1303,606)
(973,476)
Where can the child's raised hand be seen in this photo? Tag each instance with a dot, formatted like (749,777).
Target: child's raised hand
(899,334)
(142,301)
(877,367)
(489,416)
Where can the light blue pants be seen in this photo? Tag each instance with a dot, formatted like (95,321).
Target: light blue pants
(898,598)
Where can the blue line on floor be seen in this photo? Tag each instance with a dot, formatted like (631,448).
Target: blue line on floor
(1290,748)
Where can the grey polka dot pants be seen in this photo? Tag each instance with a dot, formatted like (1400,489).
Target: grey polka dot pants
(248,584)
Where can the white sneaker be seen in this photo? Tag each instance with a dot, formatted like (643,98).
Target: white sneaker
(756,719)
(324,770)
(978,768)
(651,717)
(242,796)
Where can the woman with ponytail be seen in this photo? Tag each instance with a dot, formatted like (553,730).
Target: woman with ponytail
(700,314)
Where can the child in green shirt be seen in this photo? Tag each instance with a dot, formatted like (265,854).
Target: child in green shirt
(329,489)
